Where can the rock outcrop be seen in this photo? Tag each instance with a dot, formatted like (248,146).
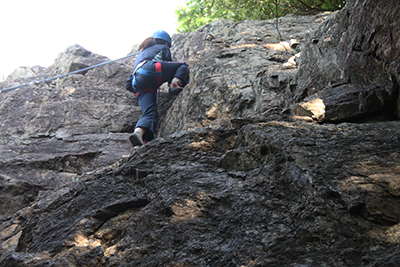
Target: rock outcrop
(55,131)
(237,71)
(256,163)
(351,63)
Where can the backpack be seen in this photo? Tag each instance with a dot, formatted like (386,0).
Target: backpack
(128,85)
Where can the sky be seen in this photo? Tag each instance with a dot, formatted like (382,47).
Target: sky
(34,32)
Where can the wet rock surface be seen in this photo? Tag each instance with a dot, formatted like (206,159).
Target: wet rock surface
(245,170)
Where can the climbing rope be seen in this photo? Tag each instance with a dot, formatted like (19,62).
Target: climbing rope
(66,74)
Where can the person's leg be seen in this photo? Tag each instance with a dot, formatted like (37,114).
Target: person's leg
(140,131)
(147,83)
(177,70)
(149,119)
(147,124)
(136,138)
(176,74)
(182,73)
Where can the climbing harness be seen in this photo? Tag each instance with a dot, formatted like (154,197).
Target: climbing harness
(139,66)
(66,74)
(157,73)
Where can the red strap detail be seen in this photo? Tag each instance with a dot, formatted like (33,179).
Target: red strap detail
(148,90)
(158,69)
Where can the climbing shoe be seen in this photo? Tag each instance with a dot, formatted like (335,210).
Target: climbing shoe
(136,139)
(175,89)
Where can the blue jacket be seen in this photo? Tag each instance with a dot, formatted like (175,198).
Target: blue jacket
(150,53)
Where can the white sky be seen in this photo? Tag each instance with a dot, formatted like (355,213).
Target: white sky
(34,32)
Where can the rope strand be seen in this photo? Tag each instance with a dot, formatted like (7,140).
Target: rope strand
(66,74)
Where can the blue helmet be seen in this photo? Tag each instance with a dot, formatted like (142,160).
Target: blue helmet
(160,34)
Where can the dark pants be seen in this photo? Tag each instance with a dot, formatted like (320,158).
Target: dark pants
(149,119)
(146,85)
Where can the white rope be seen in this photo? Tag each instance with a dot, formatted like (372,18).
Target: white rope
(66,74)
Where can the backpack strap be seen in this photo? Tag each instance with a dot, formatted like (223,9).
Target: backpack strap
(138,67)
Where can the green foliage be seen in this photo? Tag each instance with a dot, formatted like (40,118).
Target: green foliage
(314,6)
(197,13)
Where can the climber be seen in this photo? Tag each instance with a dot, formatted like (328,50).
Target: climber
(153,67)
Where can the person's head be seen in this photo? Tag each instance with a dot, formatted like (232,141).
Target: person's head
(158,37)
(162,37)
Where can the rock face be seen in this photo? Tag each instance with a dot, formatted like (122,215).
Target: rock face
(270,194)
(247,170)
(351,63)
(52,132)
(237,71)
(54,127)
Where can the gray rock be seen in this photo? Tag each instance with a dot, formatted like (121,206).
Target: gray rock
(270,193)
(51,132)
(75,58)
(232,179)
(353,47)
(237,71)
(24,72)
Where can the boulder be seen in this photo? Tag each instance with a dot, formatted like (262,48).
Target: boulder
(346,102)
(75,58)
